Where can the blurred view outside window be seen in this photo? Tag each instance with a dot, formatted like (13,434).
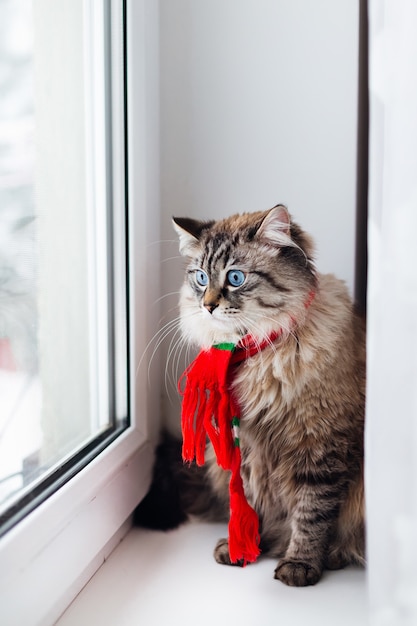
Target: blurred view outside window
(20,392)
(56,342)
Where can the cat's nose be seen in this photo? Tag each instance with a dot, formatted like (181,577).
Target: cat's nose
(210,306)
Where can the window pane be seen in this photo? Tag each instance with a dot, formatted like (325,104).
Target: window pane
(61,237)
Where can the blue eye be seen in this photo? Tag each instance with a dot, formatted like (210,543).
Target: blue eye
(235,278)
(201,278)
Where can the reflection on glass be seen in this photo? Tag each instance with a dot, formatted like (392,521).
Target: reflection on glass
(20,394)
(55,394)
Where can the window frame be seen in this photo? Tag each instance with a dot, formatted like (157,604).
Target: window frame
(48,557)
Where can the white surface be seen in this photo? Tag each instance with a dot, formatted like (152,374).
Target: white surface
(45,558)
(155,578)
(259,106)
(391,434)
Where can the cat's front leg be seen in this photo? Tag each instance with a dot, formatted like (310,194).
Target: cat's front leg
(312,521)
(302,563)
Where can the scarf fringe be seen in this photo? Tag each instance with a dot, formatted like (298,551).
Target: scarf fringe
(207,410)
(244,536)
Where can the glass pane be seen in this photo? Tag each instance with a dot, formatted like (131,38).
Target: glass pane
(57,219)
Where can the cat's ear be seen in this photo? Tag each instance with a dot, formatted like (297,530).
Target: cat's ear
(275,227)
(189,232)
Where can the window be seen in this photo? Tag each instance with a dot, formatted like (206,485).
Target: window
(92,152)
(63,353)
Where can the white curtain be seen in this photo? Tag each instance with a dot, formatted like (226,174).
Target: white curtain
(391,432)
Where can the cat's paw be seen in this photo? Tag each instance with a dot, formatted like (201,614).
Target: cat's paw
(221,553)
(297,573)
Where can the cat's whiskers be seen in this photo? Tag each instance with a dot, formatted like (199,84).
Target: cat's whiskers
(157,339)
(175,352)
(176,345)
(256,332)
(159,241)
(166,295)
(171,258)
(160,337)
(289,329)
(174,357)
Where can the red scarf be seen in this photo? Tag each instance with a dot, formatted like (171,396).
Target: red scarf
(209,408)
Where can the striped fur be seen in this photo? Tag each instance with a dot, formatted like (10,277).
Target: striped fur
(302,399)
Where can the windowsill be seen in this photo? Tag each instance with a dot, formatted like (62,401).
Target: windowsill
(154,578)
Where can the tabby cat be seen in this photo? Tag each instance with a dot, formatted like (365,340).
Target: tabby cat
(301,397)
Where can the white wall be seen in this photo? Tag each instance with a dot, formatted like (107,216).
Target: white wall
(259,106)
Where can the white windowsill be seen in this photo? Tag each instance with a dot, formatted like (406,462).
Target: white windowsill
(155,578)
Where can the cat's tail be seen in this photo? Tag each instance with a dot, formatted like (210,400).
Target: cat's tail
(177,492)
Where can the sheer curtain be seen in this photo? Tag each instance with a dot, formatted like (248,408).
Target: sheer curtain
(391,435)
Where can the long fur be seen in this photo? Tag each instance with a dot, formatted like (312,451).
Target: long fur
(301,399)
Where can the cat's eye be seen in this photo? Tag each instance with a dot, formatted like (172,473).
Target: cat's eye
(235,278)
(201,278)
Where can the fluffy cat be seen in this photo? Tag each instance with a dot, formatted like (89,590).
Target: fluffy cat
(301,398)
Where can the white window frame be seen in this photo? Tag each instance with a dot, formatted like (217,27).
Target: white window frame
(48,557)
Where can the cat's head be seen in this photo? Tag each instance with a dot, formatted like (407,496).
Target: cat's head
(246,274)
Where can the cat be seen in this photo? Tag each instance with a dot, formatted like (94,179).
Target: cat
(301,398)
